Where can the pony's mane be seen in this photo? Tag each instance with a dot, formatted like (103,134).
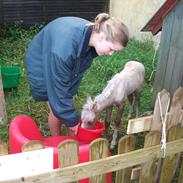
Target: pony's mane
(88,105)
(108,89)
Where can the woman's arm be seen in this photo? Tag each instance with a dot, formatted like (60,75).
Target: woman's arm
(58,75)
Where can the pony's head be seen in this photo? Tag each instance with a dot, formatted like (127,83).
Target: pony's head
(88,114)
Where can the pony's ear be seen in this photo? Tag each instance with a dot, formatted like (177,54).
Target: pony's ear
(88,99)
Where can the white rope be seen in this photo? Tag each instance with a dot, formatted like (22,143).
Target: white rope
(163,120)
(153,62)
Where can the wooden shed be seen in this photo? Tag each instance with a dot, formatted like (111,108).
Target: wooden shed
(30,12)
(169,20)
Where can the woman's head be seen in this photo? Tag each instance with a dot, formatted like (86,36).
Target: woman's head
(109,34)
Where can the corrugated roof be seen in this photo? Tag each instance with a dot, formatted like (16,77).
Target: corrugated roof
(155,23)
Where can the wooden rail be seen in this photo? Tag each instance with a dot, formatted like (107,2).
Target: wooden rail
(102,166)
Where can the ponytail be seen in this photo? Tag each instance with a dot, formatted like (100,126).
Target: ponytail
(99,19)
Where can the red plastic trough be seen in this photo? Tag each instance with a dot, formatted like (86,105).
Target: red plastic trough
(24,129)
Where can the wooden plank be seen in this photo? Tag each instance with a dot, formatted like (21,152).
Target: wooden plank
(32,145)
(68,153)
(156,125)
(178,69)
(143,124)
(177,73)
(26,164)
(171,61)
(125,144)
(166,32)
(148,169)
(3,148)
(153,122)
(181,117)
(138,125)
(3,114)
(152,139)
(170,162)
(97,167)
(98,150)
(176,108)
(180,178)
(135,173)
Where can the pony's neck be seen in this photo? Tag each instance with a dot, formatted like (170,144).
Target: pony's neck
(104,99)
(108,95)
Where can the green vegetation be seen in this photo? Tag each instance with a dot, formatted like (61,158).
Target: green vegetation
(13,43)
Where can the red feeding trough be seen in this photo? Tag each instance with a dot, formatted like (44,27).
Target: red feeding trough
(24,129)
(88,135)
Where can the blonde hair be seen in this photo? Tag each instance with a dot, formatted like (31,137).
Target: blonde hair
(112,27)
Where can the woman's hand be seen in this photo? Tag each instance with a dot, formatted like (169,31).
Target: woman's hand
(73,130)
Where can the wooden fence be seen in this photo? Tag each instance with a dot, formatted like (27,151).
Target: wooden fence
(147,165)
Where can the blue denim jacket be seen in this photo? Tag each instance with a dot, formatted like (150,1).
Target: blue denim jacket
(56,60)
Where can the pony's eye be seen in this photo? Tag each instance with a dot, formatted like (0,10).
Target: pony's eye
(90,123)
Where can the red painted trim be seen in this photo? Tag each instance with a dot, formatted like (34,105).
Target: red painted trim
(155,24)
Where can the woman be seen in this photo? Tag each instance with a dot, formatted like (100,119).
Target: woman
(58,56)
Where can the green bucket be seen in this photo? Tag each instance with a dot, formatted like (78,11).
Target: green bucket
(10,76)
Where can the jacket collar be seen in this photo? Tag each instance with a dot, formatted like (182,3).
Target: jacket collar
(83,49)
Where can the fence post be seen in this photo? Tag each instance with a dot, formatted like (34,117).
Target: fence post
(148,169)
(125,144)
(170,162)
(68,154)
(98,150)
(180,179)
(176,108)
(156,124)
(3,114)
(3,148)
(32,145)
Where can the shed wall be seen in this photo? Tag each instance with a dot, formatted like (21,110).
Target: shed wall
(169,73)
(135,15)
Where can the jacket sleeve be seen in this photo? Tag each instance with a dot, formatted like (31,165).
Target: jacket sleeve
(58,75)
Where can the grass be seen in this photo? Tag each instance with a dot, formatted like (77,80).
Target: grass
(13,43)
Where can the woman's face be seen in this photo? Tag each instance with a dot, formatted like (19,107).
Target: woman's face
(106,47)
